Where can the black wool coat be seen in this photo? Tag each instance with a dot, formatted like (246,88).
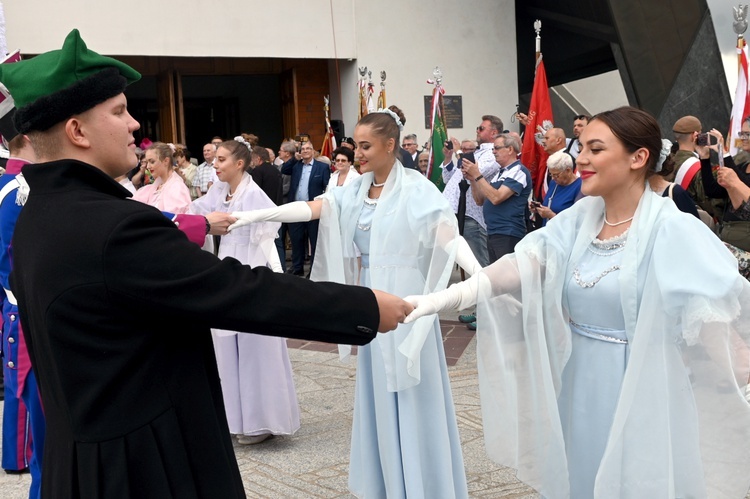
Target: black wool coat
(116,306)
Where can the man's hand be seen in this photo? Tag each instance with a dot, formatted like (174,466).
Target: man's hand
(220,222)
(448,153)
(523,119)
(471,170)
(392,310)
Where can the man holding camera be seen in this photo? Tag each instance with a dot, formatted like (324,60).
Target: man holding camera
(456,187)
(502,196)
(687,134)
(475,230)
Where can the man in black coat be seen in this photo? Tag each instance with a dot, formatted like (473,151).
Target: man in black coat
(266,175)
(117,304)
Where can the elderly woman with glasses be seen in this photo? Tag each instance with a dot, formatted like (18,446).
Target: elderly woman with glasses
(343,162)
(564,188)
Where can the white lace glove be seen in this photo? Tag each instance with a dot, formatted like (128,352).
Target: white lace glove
(465,257)
(298,211)
(457,297)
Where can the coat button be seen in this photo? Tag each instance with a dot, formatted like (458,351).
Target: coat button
(11,340)
(12,317)
(11,364)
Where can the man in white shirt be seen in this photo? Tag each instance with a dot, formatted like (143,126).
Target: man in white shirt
(475,230)
(205,176)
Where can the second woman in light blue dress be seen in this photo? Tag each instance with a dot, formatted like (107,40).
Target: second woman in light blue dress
(405,441)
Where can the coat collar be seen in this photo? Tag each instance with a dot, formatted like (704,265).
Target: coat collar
(70,174)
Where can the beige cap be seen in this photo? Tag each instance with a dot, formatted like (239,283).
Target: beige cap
(687,124)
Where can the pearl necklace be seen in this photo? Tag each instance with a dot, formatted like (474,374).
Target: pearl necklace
(618,223)
(378,185)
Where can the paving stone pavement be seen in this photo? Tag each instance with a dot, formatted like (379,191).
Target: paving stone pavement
(314,462)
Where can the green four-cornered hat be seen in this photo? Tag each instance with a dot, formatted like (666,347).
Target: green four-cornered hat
(56,85)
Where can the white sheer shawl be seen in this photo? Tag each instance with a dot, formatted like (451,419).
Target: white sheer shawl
(251,244)
(687,314)
(412,225)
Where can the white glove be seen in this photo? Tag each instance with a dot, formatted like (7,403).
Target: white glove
(457,297)
(268,247)
(298,211)
(465,257)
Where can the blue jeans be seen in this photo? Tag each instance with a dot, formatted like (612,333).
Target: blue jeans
(476,236)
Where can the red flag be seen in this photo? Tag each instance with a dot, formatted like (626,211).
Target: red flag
(533,155)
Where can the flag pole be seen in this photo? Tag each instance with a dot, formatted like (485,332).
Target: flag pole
(740,26)
(438,130)
(540,119)
(740,105)
(329,140)
(381,98)
(362,84)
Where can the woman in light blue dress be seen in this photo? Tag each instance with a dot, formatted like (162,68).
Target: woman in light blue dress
(613,344)
(405,440)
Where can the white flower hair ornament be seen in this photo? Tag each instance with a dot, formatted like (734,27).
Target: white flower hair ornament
(394,116)
(666,148)
(242,141)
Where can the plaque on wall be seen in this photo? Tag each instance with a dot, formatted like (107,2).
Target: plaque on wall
(454,115)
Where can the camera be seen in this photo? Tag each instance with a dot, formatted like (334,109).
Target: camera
(702,139)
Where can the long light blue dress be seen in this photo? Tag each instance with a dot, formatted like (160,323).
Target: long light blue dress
(405,444)
(593,376)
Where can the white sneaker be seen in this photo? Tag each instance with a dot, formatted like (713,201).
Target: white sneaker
(253,439)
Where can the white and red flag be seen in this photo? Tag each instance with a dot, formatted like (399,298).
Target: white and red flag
(741,107)
(533,155)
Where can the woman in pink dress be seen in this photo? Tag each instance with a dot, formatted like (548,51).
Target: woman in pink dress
(168,192)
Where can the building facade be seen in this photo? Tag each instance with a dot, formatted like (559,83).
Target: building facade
(220,67)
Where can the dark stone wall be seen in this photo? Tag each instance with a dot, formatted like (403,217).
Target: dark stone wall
(701,87)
